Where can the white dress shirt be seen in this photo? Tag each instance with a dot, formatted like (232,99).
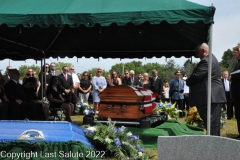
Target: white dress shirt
(226,84)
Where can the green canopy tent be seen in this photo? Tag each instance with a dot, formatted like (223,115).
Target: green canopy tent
(103,28)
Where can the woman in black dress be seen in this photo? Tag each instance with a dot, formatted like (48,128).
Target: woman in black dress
(145,82)
(115,81)
(44,71)
(56,100)
(30,87)
(84,87)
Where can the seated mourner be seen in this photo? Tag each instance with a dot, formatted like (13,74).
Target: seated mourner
(56,100)
(9,110)
(30,90)
(15,93)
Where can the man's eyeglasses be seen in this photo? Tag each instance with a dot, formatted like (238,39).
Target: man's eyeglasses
(99,71)
(85,75)
(125,73)
(46,67)
(72,69)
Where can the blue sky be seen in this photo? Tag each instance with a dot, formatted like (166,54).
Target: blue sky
(226,34)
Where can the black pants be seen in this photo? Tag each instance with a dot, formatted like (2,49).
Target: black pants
(215,117)
(236,102)
(3,111)
(186,102)
(229,106)
(179,103)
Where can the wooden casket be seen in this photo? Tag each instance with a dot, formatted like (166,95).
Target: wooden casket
(126,102)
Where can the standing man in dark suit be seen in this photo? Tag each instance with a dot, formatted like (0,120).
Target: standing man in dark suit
(134,80)
(156,85)
(226,85)
(197,83)
(235,87)
(6,76)
(65,84)
(52,70)
(126,80)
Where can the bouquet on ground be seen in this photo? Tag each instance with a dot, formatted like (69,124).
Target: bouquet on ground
(193,117)
(84,108)
(223,118)
(171,110)
(117,141)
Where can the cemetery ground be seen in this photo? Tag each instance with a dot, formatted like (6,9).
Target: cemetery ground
(229,131)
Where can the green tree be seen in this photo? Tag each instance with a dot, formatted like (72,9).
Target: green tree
(94,71)
(134,65)
(188,67)
(59,65)
(23,69)
(228,62)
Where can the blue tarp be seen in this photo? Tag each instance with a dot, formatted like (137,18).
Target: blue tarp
(52,131)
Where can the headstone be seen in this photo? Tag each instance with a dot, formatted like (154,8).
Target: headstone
(198,147)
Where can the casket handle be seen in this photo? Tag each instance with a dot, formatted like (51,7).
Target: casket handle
(123,107)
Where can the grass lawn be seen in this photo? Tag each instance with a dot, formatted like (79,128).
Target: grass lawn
(229,131)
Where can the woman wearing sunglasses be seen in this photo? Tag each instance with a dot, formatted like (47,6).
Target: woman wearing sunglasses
(84,87)
(99,84)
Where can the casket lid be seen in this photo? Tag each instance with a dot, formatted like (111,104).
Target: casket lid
(123,93)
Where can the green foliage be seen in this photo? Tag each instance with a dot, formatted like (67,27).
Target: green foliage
(59,65)
(23,69)
(94,71)
(228,62)
(189,66)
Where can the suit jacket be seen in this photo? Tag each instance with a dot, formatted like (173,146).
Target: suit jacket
(156,86)
(197,83)
(224,85)
(135,81)
(126,81)
(15,91)
(235,82)
(6,78)
(56,73)
(63,84)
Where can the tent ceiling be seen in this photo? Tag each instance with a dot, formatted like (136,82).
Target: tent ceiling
(107,29)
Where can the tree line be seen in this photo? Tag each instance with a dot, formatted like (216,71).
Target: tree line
(165,71)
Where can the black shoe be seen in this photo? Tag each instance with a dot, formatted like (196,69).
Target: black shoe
(237,137)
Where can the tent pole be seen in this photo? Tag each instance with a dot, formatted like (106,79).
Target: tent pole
(60,30)
(41,79)
(209,83)
(44,72)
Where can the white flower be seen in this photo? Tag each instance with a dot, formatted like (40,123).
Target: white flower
(129,134)
(93,129)
(140,154)
(86,111)
(108,140)
(85,104)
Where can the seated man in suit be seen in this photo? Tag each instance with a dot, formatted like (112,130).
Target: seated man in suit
(15,93)
(65,84)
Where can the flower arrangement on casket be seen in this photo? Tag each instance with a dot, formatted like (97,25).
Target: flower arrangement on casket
(117,141)
(194,117)
(171,110)
(84,108)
